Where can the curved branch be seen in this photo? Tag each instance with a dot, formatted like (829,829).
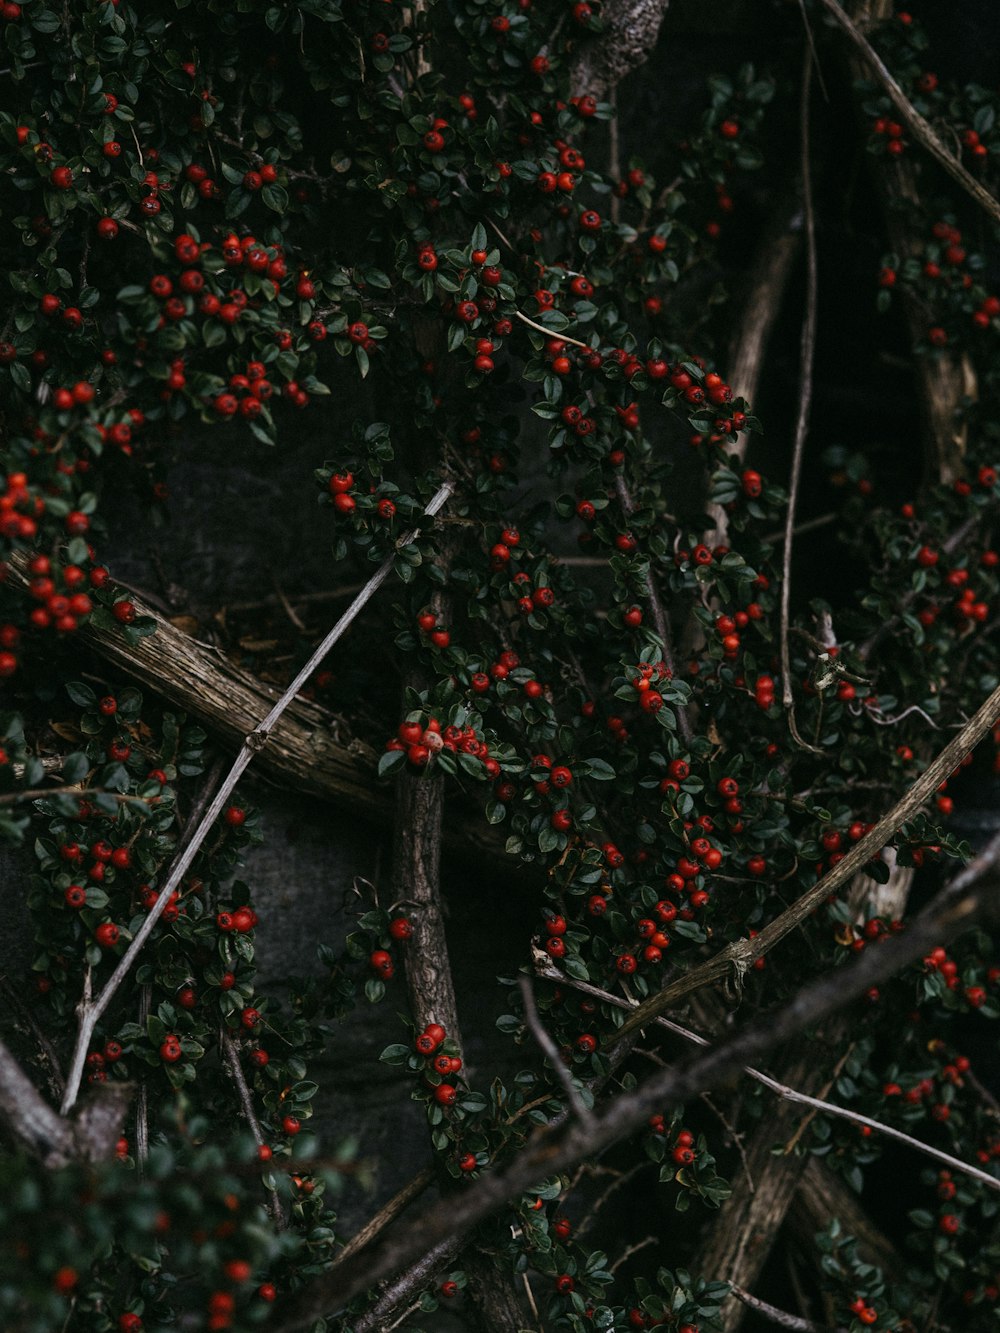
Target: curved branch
(970,898)
(909,115)
(743,953)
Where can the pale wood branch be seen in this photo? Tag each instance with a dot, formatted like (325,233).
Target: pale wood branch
(908,114)
(737,957)
(90,1009)
(969,899)
(781,1318)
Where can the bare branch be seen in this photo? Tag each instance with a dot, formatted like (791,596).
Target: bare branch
(742,954)
(91,1010)
(631,28)
(232,1059)
(629,1250)
(908,114)
(551,1051)
(969,898)
(783,1090)
(806,355)
(780,1317)
(389,1210)
(30,1119)
(415,1277)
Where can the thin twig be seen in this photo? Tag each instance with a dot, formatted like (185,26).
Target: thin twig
(629,1250)
(621,1178)
(272,599)
(780,1317)
(47,1051)
(142,1097)
(551,1051)
(782,1090)
(908,114)
(738,957)
(531,1299)
(551,333)
(410,1191)
(614,155)
(807,351)
(232,1059)
(286,605)
(969,899)
(809,525)
(807,1120)
(411,1309)
(659,614)
(735,1137)
(40,793)
(415,1277)
(90,1011)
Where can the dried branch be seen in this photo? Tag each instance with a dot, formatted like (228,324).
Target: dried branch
(762,304)
(659,614)
(629,1250)
(400,1291)
(32,1122)
(551,1051)
(90,1010)
(822,1194)
(947,377)
(389,1210)
(232,1059)
(737,957)
(780,1317)
(783,1090)
(970,898)
(551,333)
(908,114)
(806,356)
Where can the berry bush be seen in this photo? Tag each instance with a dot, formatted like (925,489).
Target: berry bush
(717,708)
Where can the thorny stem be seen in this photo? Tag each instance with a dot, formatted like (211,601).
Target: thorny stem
(90,1011)
(807,351)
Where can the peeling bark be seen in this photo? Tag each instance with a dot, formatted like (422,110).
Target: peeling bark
(631,28)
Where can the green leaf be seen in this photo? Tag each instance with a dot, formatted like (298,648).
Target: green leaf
(391,762)
(275,197)
(81,694)
(75,768)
